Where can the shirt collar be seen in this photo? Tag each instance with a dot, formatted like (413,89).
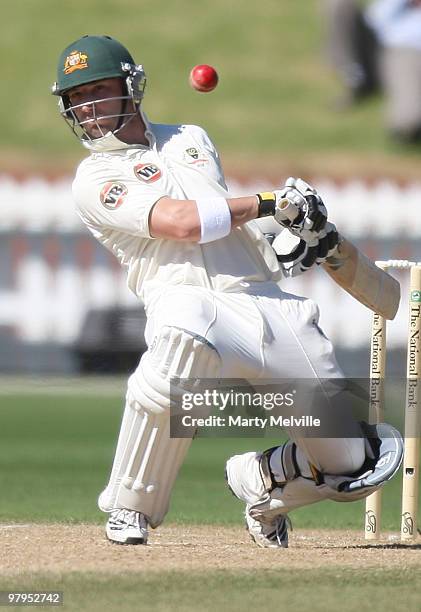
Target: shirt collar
(110,142)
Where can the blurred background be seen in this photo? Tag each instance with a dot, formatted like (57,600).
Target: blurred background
(294,98)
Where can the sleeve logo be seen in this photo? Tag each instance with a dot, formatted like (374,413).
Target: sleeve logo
(149,173)
(193,152)
(113,195)
(194,156)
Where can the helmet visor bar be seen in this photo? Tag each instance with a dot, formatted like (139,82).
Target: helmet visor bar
(92,124)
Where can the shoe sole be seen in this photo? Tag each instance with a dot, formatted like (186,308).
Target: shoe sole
(129,541)
(114,536)
(264,545)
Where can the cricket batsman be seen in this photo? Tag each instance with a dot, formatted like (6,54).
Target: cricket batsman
(155,196)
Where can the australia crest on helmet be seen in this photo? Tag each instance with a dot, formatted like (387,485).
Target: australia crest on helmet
(76,60)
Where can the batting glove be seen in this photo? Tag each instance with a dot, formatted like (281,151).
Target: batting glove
(298,257)
(327,242)
(311,215)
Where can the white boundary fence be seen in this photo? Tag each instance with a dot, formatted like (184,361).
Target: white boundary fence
(52,271)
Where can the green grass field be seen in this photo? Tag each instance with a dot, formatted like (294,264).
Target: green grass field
(56,451)
(274,97)
(351,591)
(56,444)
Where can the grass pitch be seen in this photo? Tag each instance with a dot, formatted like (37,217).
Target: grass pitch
(211,568)
(56,446)
(318,590)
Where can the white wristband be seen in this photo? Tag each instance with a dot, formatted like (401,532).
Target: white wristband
(215,219)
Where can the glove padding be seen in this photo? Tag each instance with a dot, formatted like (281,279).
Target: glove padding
(312,214)
(303,255)
(327,242)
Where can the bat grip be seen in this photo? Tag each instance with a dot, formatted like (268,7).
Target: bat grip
(286,210)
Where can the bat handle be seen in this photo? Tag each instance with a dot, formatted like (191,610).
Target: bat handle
(286,210)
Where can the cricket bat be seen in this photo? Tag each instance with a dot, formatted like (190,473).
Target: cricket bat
(361,278)
(357,274)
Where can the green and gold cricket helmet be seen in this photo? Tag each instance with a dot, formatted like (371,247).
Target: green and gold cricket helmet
(90,59)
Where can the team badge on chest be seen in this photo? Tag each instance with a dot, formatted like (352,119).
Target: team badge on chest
(113,195)
(148,173)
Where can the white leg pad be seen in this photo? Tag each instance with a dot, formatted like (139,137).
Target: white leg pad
(147,460)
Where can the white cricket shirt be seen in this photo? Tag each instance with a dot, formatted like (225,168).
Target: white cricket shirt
(115,190)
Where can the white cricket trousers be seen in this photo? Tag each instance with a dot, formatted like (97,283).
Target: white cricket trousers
(269,335)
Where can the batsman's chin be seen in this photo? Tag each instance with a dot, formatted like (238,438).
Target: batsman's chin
(97,129)
(95,132)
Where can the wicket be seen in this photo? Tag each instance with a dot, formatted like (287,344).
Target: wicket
(412,416)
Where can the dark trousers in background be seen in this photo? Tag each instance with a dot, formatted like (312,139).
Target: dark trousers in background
(364,67)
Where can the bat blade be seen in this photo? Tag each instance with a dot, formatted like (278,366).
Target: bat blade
(362,279)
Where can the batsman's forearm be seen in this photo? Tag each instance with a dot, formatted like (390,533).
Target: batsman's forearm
(243,209)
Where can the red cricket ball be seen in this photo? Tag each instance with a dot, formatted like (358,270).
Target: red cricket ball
(203,78)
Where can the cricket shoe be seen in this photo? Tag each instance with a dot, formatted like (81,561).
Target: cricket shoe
(269,535)
(127,527)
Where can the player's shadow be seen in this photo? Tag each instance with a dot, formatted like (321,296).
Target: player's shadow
(387,546)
